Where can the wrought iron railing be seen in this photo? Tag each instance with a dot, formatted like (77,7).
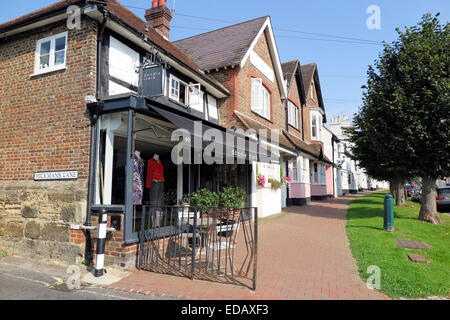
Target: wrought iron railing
(219,244)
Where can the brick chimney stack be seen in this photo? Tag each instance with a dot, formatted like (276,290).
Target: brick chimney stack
(159,17)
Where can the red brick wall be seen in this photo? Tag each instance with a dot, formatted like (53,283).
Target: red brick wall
(43,120)
(310,104)
(238,81)
(294,97)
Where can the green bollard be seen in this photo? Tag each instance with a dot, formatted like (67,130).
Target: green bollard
(388,213)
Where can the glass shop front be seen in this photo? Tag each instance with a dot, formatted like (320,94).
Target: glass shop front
(134,167)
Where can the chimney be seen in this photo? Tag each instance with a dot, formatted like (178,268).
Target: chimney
(159,17)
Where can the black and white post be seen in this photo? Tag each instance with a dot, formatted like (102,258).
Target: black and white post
(101,241)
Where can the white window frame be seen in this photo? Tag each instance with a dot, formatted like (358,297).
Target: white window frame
(315,174)
(318,117)
(294,170)
(176,94)
(319,177)
(195,97)
(292,114)
(213,112)
(51,67)
(305,170)
(260,98)
(312,91)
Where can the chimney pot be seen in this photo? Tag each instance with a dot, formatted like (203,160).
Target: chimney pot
(155,3)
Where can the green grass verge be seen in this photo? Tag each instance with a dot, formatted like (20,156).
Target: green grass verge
(371,245)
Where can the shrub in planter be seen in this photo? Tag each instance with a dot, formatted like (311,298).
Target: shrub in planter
(231,197)
(203,199)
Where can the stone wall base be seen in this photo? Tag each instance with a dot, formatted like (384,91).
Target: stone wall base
(42,249)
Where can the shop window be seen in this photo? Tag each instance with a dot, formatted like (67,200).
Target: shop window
(111,164)
(51,53)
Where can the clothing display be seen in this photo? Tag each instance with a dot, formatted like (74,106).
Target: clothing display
(138,180)
(155,171)
(156,193)
(156,199)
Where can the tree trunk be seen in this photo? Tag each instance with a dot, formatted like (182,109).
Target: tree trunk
(399,193)
(391,187)
(428,210)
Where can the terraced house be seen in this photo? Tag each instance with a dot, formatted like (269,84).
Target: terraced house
(271,96)
(88,116)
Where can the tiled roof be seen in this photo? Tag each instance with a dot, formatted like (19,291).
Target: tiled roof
(38,13)
(250,123)
(308,74)
(128,17)
(222,47)
(308,148)
(289,70)
(314,149)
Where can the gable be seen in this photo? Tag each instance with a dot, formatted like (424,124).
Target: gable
(264,46)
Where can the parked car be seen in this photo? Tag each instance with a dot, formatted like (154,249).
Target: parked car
(443,198)
(409,190)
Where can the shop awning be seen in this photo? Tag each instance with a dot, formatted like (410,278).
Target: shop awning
(234,145)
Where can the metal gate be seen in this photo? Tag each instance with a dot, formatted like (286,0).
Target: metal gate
(218,245)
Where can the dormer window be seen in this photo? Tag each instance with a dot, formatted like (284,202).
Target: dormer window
(51,53)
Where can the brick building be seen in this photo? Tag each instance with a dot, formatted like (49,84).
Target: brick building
(79,113)
(75,117)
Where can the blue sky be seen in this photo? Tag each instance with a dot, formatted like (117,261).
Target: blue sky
(342,66)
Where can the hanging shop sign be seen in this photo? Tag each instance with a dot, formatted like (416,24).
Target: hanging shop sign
(152,81)
(152,72)
(56,175)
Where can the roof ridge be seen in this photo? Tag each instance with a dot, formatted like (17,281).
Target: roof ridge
(230,26)
(295,60)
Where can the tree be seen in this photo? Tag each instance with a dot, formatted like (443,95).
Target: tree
(377,138)
(402,130)
(424,65)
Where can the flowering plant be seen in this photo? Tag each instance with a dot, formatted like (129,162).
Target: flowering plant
(275,184)
(286,181)
(261,180)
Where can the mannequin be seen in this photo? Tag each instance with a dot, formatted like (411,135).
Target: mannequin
(155,186)
(138,178)
(155,178)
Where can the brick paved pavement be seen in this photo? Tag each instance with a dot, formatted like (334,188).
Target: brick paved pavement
(303,254)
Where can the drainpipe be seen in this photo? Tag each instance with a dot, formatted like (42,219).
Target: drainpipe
(99,54)
(93,146)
